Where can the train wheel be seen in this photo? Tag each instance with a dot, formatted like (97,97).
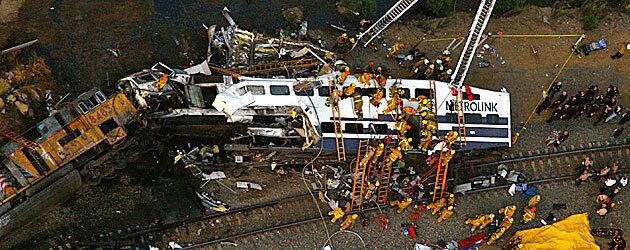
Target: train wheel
(95,177)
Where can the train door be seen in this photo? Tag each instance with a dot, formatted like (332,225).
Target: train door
(38,162)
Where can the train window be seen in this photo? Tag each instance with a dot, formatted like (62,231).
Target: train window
(355,128)
(380,128)
(451,118)
(305,92)
(369,91)
(475,96)
(42,129)
(100,97)
(406,93)
(492,119)
(256,89)
(279,90)
(473,118)
(68,138)
(327,127)
(323,91)
(83,107)
(424,92)
(108,126)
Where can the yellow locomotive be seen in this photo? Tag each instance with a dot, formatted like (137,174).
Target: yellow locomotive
(46,164)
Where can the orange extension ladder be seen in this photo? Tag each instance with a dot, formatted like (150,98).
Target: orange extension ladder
(17,138)
(358,178)
(383,188)
(334,107)
(440,177)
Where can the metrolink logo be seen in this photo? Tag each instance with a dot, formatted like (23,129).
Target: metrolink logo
(474,106)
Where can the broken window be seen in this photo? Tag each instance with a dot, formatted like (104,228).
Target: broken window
(279,90)
(493,119)
(406,93)
(354,128)
(108,126)
(424,92)
(380,128)
(323,91)
(475,96)
(256,89)
(305,92)
(69,137)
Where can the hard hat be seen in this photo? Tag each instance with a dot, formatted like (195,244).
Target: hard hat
(425,101)
(452,151)
(455,133)
(426,61)
(344,35)
(438,61)
(379,68)
(347,69)
(450,208)
(409,199)
(353,84)
(448,59)
(431,66)
(292,113)
(423,113)
(354,216)
(409,139)
(451,195)
(491,215)
(423,133)
(425,122)
(628,46)
(449,71)
(352,40)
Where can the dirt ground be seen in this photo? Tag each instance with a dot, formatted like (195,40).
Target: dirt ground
(75,35)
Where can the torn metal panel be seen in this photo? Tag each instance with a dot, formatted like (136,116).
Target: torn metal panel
(268,132)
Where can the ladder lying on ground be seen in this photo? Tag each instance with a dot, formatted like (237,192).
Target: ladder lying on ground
(336,121)
(476,30)
(390,16)
(359,177)
(17,138)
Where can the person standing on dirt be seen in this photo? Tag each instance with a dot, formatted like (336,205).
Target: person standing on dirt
(555,88)
(546,103)
(624,48)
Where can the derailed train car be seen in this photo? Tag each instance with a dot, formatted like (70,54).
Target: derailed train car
(47,164)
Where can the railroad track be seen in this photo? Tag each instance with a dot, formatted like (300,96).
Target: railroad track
(299,210)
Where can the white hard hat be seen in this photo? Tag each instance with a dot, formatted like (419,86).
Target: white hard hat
(449,71)
(431,66)
(441,67)
(628,46)
(446,52)
(426,61)
(486,46)
(438,61)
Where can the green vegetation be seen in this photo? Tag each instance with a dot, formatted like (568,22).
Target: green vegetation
(508,7)
(365,8)
(593,12)
(439,8)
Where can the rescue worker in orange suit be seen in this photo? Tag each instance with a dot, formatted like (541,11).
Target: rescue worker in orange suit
(349,221)
(451,136)
(345,72)
(394,101)
(425,140)
(371,189)
(430,126)
(366,157)
(342,43)
(508,211)
(401,204)
(381,80)
(436,206)
(336,214)
(370,68)
(401,127)
(378,153)
(529,215)
(481,221)
(533,201)
(450,200)
(365,78)
(334,98)
(377,97)
(407,111)
(349,90)
(393,156)
(445,214)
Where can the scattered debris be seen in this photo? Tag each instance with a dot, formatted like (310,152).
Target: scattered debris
(248,185)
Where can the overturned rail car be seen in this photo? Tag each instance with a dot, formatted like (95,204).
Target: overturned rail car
(74,146)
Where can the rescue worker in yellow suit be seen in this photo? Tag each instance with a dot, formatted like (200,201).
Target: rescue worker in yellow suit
(334,98)
(406,112)
(381,80)
(436,206)
(377,97)
(450,200)
(366,157)
(395,50)
(401,204)
(481,221)
(357,98)
(405,144)
(345,72)
(336,214)
(529,215)
(451,136)
(508,211)
(350,219)
(371,189)
(378,153)
(342,43)
(426,115)
(425,139)
(533,201)
(505,225)
(393,156)
(430,126)
(445,214)
(401,127)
